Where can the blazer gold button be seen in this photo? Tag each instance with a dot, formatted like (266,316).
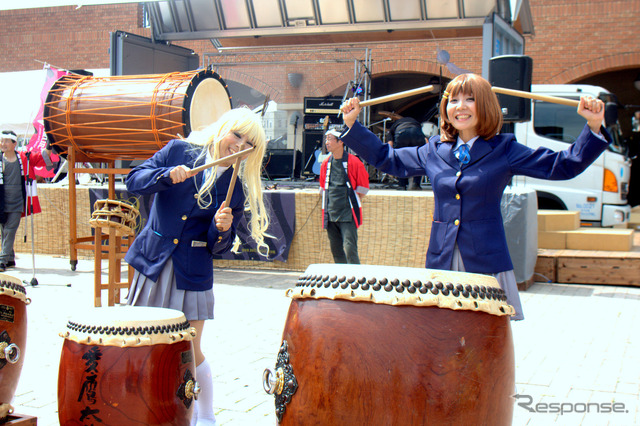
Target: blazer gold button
(457,222)
(219,239)
(184,217)
(459,174)
(457,196)
(175,241)
(195,195)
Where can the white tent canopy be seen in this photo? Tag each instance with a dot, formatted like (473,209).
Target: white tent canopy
(20,98)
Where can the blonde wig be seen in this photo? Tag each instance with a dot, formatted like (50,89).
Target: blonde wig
(247,123)
(487,107)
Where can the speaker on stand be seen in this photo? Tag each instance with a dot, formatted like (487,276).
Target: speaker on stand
(512,72)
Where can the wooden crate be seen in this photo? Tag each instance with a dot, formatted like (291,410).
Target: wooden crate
(545,266)
(599,269)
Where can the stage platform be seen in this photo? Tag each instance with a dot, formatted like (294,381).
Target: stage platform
(395,232)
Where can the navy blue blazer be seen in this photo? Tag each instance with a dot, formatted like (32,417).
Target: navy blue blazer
(467,198)
(178,227)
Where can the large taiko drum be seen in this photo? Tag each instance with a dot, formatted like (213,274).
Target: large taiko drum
(131,117)
(127,365)
(13,338)
(365,345)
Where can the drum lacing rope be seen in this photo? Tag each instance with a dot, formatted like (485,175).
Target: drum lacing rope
(68,111)
(135,119)
(168,132)
(154,128)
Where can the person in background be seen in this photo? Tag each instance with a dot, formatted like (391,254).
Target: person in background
(343,182)
(469,165)
(17,185)
(189,222)
(404,132)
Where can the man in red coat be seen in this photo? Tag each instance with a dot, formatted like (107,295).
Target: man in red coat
(17,186)
(343,182)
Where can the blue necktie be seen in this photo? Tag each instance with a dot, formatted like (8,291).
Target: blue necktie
(462,154)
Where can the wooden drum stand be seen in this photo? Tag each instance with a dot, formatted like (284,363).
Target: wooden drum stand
(116,245)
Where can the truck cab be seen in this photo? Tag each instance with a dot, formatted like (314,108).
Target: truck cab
(600,192)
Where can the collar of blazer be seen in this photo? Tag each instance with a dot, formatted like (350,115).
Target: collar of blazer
(479,149)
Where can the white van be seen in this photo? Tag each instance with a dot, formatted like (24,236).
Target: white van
(600,192)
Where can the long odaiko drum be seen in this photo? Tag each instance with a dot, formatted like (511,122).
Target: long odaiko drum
(13,338)
(127,365)
(366,345)
(131,117)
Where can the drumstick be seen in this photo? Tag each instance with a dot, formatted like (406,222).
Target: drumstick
(232,184)
(529,95)
(395,96)
(221,160)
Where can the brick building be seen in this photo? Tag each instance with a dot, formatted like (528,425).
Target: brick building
(591,41)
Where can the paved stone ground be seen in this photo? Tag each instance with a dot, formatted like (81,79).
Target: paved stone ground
(578,348)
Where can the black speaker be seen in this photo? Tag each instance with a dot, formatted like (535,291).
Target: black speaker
(278,163)
(512,72)
(311,142)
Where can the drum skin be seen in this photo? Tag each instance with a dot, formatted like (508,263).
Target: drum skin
(360,363)
(123,385)
(13,328)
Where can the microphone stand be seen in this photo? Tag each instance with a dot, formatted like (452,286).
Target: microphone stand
(384,128)
(293,161)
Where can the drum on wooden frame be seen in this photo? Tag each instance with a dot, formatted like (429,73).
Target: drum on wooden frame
(127,365)
(13,338)
(367,344)
(131,117)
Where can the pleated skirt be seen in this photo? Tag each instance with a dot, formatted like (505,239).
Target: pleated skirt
(196,305)
(506,279)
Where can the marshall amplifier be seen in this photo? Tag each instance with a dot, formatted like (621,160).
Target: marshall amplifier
(316,122)
(322,106)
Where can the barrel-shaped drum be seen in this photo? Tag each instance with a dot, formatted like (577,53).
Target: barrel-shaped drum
(13,338)
(121,215)
(127,365)
(131,117)
(385,345)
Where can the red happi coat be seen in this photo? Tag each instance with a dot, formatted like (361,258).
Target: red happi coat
(358,181)
(36,159)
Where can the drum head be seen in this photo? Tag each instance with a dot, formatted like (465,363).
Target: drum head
(127,326)
(210,101)
(394,285)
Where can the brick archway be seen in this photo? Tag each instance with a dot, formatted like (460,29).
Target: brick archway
(597,66)
(383,68)
(251,81)
(394,66)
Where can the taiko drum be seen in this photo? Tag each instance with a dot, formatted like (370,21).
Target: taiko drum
(131,117)
(13,338)
(121,215)
(366,345)
(127,365)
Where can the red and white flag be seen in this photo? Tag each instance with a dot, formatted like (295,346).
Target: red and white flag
(39,140)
